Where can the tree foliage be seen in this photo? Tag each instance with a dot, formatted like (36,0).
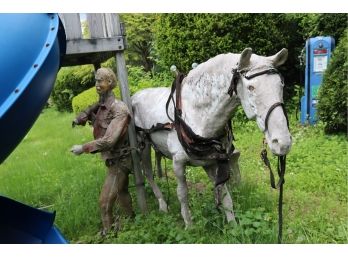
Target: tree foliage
(332,106)
(139,32)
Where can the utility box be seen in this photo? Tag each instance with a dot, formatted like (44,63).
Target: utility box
(318,54)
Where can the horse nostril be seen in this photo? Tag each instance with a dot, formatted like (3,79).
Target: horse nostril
(275,141)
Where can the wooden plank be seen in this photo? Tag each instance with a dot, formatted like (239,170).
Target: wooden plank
(89,58)
(111,21)
(78,46)
(72,25)
(96,25)
(123,79)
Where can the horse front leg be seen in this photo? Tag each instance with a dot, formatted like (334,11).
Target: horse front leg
(227,203)
(147,167)
(158,157)
(235,170)
(182,191)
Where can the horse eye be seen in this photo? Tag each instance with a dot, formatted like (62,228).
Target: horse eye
(251,88)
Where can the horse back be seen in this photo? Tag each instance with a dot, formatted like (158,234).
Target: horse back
(149,107)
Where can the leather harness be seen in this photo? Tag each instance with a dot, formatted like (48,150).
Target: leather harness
(196,146)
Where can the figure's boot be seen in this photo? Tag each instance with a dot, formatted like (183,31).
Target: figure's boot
(107,221)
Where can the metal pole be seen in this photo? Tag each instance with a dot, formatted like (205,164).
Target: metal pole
(123,79)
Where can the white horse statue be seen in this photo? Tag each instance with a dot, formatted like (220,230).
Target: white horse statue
(209,95)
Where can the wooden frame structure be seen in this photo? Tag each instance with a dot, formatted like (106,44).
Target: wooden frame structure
(107,39)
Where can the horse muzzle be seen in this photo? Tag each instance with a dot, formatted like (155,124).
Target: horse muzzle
(279,145)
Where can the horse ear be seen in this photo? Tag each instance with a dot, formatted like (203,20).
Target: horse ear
(244,59)
(280,57)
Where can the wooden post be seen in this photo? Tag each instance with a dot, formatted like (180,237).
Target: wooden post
(123,79)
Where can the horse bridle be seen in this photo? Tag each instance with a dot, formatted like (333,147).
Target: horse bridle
(237,74)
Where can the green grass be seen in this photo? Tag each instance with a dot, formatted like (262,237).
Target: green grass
(43,173)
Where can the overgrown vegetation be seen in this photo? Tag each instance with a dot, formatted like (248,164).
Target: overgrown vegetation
(43,173)
(87,98)
(332,106)
(139,30)
(182,39)
(137,79)
(70,82)
(156,41)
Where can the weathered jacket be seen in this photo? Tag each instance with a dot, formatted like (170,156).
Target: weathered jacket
(110,120)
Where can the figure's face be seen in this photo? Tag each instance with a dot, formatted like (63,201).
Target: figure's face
(102,85)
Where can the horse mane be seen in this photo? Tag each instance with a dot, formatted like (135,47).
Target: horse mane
(205,89)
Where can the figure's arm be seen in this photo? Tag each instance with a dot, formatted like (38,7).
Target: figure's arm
(85,115)
(116,129)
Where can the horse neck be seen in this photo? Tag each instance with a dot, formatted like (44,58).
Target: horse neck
(206,104)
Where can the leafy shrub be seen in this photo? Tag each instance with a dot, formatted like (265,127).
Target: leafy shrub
(182,39)
(332,106)
(87,98)
(70,82)
(137,79)
(331,24)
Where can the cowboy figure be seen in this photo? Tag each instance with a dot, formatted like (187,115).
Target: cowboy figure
(110,118)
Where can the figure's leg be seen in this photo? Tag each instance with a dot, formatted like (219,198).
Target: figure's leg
(227,203)
(107,200)
(182,192)
(124,198)
(147,167)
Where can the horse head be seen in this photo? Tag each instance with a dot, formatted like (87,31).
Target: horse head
(259,86)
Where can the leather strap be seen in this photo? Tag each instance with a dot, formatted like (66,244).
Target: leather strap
(270,111)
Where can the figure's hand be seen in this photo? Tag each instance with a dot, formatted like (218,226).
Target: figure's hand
(74,123)
(76,149)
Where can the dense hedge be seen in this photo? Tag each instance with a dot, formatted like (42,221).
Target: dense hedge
(332,106)
(70,82)
(87,98)
(331,24)
(182,39)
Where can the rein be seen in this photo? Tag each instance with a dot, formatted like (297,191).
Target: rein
(281,166)
(281,173)
(281,159)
